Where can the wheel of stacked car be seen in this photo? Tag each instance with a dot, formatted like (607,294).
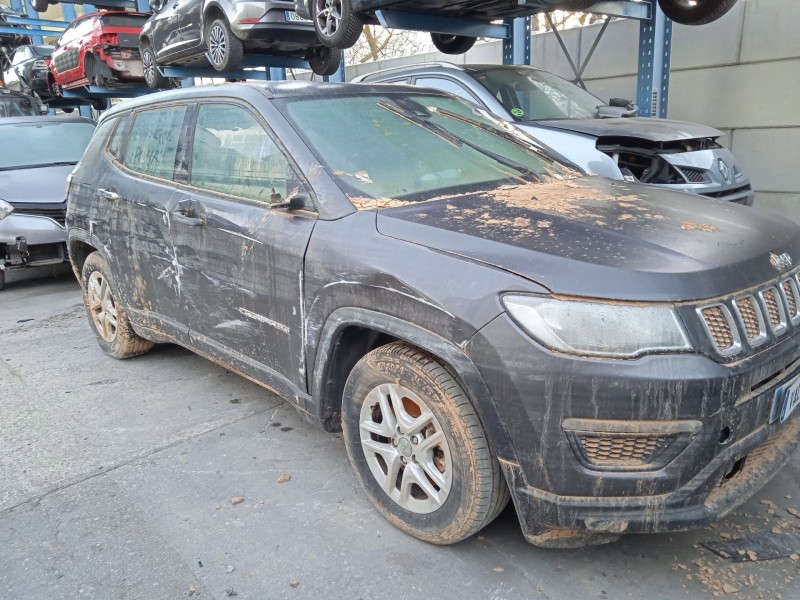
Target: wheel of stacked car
(107,315)
(100,103)
(324,61)
(452,44)
(574,5)
(337,25)
(40,5)
(225,50)
(152,76)
(418,447)
(695,12)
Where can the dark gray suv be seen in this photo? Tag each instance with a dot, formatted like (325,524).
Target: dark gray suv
(480,320)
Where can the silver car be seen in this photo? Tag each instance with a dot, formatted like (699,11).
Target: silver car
(602,138)
(34,170)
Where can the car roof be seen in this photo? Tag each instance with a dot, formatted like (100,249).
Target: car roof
(440,66)
(270,89)
(45,119)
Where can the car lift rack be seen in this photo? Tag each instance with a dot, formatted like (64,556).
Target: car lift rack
(655,40)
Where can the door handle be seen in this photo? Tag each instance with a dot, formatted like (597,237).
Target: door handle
(107,194)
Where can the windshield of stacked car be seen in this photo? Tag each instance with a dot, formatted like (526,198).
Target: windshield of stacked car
(533,95)
(412,147)
(122,20)
(43,144)
(17,106)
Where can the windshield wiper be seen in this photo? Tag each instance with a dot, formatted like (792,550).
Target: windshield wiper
(65,163)
(459,141)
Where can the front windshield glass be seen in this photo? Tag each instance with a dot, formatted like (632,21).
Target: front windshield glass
(408,147)
(534,95)
(42,144)
(17,106)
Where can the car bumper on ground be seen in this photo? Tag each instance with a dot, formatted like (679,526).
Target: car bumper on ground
(663,443)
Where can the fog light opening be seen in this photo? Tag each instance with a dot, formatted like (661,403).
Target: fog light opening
(725,435)
(735,469)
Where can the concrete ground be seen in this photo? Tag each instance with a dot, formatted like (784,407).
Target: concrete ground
(116,481)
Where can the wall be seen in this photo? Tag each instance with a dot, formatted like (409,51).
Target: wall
(740,74)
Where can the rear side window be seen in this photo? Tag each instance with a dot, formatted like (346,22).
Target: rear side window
(153,141)
(115,144)
(233,154)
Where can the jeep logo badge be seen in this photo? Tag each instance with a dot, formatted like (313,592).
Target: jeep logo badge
(782,262)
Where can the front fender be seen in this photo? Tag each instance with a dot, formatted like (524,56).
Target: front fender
(325,405)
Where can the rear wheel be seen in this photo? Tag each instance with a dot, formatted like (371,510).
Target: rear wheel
(152,76)
(695,12)
(106,314)
(418,447)
(452,44)
(324,61)
(40,5)
(100,103)
(335,22)
(225,50)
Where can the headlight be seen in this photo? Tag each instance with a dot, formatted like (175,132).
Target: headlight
(5,209)
(597,329)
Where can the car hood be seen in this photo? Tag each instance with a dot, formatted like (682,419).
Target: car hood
(604,239)
(654,130)
(39,185)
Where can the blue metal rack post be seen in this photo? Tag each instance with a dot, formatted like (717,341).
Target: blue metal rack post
(655,53)
(517,48)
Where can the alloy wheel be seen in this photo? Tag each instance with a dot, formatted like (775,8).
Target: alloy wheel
(149,67)
(102,306)
(217,44)
(329,16)
(406,448)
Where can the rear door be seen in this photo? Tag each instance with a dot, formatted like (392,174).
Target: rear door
(67,58)
(243,260)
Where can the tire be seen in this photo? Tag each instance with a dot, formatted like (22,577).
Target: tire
(100,103)
(90,69)
(452,44)
(342,32)
(424,461)
(107,316)
(225,50)
(152,76)
(40,6)
(705,11)
(68,110)
(574,5)
(324,61)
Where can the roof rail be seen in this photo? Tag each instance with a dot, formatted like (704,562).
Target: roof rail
(443,64)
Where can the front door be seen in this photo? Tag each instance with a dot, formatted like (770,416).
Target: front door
(243,258)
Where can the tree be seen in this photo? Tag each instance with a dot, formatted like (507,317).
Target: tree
(377,43)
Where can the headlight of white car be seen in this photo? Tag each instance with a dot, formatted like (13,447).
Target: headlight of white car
(598,329)
(5,209)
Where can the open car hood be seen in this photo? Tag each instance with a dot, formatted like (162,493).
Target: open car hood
(654,130)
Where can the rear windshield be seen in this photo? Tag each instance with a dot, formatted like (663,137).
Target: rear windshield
(123,20)
(43,144)
(42,50)
(416,146)
(533,95)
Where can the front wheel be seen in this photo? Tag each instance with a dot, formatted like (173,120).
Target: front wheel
(107,316)
(335,22)
(418,447)
(452,44)
(225,50)
(324,61)
(695,12)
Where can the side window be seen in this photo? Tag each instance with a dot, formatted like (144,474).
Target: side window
(446,85)
(233,154)
(153,141)
(115,144)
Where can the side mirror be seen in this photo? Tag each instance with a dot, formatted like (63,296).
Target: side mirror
(296,202)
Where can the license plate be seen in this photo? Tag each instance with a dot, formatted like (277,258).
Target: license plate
(293,16)
(787,398)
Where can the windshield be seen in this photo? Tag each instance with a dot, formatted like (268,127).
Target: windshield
(42,144)
(408,147)
(17,106)
(534,95)
(42,50)
(122,20)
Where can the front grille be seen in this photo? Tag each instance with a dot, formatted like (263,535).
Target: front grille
(59,215)
(726,193)
(750,317)
(694,175)
(719,326)
(622,450)
(757,314)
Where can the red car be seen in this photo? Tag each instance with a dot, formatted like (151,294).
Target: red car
(100,48)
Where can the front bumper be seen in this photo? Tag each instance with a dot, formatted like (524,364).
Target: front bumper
(31,240)
(734,452)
